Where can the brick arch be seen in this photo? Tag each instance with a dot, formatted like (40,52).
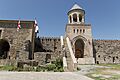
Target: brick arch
(79,37)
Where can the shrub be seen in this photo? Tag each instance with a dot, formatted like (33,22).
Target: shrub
(50,67)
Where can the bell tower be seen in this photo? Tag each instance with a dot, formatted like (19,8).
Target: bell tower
(76,15)
(80,35)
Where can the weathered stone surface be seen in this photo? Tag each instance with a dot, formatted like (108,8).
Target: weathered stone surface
(48,45)
(17,39)
(107,51)
(43,57)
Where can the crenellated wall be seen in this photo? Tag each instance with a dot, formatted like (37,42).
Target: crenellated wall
(47,49)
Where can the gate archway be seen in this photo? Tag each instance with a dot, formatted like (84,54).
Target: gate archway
(4,48)
(79,48)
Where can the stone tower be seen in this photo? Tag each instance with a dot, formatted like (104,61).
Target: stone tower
(80,35)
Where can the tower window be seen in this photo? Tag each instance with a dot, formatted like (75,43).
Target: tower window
(73,30)
(75,17)
(83,30)
(77,30)
(70,19)
(80,18)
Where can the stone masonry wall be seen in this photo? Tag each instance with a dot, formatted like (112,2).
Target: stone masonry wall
(50,50)
(16,38)
(52,44)
(107,51)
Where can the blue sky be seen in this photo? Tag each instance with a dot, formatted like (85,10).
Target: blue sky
(104,15)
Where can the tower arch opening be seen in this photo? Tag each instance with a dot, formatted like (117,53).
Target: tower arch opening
(74,17)
(80,18)
(79,48)
(4,48)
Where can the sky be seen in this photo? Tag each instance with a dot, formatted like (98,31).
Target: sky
(51,15)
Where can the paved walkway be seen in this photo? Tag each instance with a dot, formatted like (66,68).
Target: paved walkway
(42,76)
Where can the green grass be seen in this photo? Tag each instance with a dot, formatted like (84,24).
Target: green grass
(100,77)
(101,73)
(7,68)
(112,66)
(55,66)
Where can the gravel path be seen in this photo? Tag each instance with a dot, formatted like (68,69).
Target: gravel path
(88,68)
(42,76)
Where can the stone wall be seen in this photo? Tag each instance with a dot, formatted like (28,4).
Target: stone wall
(43,57)
(48,46)
(16,38)
(8,62)
(107,51)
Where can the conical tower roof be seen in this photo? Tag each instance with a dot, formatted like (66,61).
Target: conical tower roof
(76,6)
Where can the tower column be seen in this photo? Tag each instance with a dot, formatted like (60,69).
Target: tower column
(83,20)
(78,18)
(69,19)
(72,18)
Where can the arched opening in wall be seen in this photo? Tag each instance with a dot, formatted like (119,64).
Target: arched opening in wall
(80,18)
(79,48)
(80,31)
(97,62)
(75,17)
(4,48)
(73,30)
(70,19)
(77,31)
(113,59)
(83,30)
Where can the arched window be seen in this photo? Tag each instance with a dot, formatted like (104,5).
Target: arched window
(80,18)
(70,19)
(75,17)
(73,30)
(77,30)
(80,31)
(83,30)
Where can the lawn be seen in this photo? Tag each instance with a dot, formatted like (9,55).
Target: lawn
(107,72)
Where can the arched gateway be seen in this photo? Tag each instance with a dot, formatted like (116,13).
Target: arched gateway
(79,48)
(4,48)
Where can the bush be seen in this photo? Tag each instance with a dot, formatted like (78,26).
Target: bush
(50,67)
(59,65)
(56,66)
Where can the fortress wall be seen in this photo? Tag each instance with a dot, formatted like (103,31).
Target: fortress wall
(107,51)
(50,49)
(17,39)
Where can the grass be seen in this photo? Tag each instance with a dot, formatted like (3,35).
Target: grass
(113,66)
(55,66)
(105,73)
(7,68)
(102,77)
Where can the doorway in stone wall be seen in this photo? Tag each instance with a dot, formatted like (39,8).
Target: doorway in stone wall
(4,48)
(79,48)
